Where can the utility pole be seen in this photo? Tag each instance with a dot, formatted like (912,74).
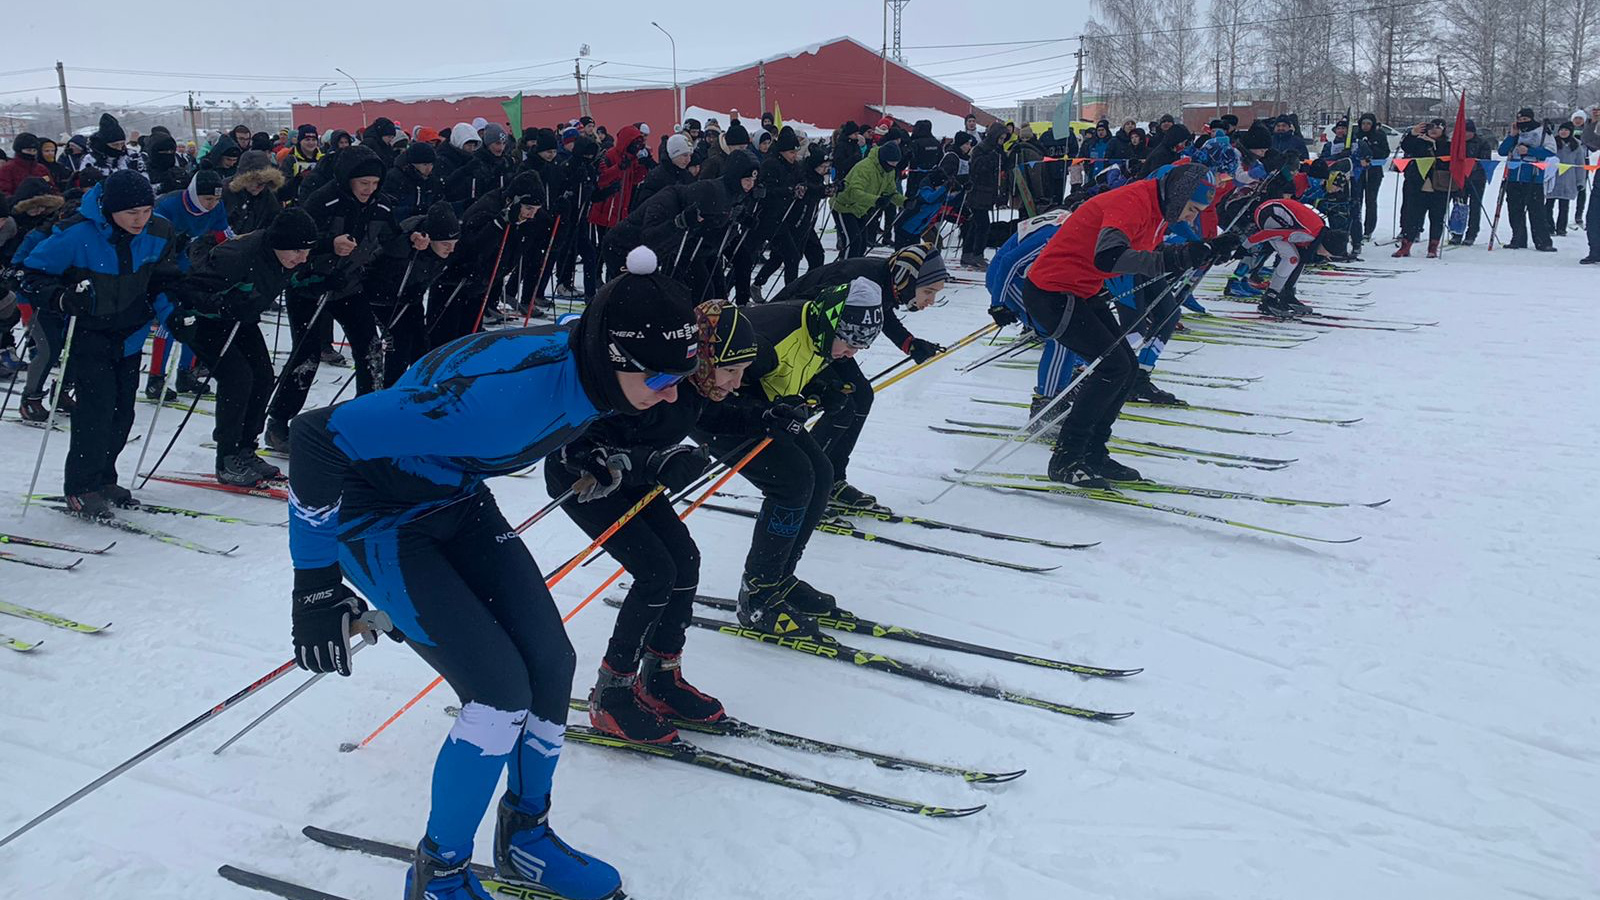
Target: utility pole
(1388,73)
(66,114)
(1218,59)
(899,7)
(1077,83)
(761,85)
(194,128)
(884,55)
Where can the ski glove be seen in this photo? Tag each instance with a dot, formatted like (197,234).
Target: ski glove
(1180,258)
(600,469)
(324,609)
(676,467)
(786,417)
(920,350)
(1003,316)
(77,299)
(1225,246)
(829,399)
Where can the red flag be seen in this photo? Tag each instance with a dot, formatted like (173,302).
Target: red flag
(1459,169)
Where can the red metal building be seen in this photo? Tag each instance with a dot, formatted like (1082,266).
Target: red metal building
(825,84)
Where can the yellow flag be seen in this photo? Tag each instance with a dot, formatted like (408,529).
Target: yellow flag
(777,117)
(1425,163)
(1561,169)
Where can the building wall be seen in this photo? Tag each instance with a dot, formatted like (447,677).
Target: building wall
(1196,116)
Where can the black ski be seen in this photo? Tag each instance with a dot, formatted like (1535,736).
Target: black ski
(845,528)
(1190,407)
(848,621)
(1139,448)
(288,890)
(401,853)
(154,534)
(731,727)
(161,510)
(10,557)
(884,515)
(876,661)
(1148,486)
(24,541)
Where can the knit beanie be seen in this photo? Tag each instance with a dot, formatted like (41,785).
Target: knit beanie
(292,229)
(441,223)
(125,189)
(678,145)
(861,320)
(736,135)
(110,131)
(889,155)
(420,153)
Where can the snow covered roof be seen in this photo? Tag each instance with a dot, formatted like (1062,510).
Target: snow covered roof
(812,49)
(804,129)
(944,123)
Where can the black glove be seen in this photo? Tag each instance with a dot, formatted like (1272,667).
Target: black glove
(1178,258)
(920,350)
(676,467)
(786,417)
(830,399)
(1003,316)
(600,470)
(77,299)
(323,612)
(1225,246)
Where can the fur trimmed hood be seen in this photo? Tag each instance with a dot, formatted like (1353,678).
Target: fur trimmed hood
(272,179)
(40,206)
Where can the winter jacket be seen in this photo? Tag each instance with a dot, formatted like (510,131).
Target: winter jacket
(190,222)
(213,159)
(1417,147)
(1028,157)
(336,211)
(985,173)
(1479,147)
(35,205)
(778,179)
(578,178)
(1564,185)
(816,281)
(923,151)
(800,333)
(1128,217)
(483,172)
(295,167)
(402,273)
(846,153)
(866,186)
(161,164)
(660,177)
(18,168)
(234,281)
(410,194)
(373,142)
(672,223)
(249,212)
(127,274)
(1539,147)
(620,173)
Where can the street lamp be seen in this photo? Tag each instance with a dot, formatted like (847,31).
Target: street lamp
(677,98)
(360,98)
(325,85)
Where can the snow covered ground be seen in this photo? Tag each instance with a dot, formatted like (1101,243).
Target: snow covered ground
(1407,716)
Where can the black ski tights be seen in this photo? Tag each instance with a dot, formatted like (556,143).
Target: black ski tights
(1090,331)
(795,477)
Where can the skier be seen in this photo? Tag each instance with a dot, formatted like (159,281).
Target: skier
(806,337)
(299,162)
(1293,230)
(1114,233)
(502,228)
(869,185)
(911,278)
(412,186)
(252,194)
(641,686)
(196,214)
(108,267)
(35,208)
(223,298)
(1007,274)
(411,263)
(387,490)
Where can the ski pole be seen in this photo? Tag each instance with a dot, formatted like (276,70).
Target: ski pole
(482,307)
(50,423)
(186,417)
(445,306)
(372,621)
(294,361)
(1499,204)
(304,686)
(538,286)
(161,403)
(12,385)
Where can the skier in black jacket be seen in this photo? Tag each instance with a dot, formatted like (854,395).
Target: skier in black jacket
(413,186)
(411,263)
(783,188)
(1371,148)
(575,237)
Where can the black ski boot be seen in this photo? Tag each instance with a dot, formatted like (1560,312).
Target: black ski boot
(1074,470)
(1272,304)
(1111,470)
(616,707)
(89,505)
(332,357)
(662,689)
(190,382)
(156,390)
(119,496)
(236,469)
(266,470)
(811,601)
(1290,299)
(66,404)
(277,435)
(1044,428)
(847,496)
(1146,390)
(431,877)
(34,410)
(764,606)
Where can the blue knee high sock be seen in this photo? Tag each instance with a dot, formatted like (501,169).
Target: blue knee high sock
(533,769)
(467,772)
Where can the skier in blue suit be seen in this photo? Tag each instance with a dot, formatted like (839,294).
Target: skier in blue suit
(1004,278)
(387,491)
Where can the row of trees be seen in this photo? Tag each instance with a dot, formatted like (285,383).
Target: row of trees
(1392,57)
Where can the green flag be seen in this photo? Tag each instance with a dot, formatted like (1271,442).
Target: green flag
(513,108)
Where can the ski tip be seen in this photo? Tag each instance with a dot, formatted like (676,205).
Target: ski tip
(229,550)
(941,812)
(1377,504)
(995,777)
(72,565)
(1110,716)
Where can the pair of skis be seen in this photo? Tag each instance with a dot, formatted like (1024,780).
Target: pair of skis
(48,618)
(22,541)
(120,524)
(1139,448)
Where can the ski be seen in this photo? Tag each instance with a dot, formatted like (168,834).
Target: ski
(24,541)
(886,515)
(162,510)
(1145,404)
(18,420)
(154,534)
(1193,338)
(1112,496)
(267,884)
(1132,448)
(844,653)
(845,528)
(401,853)
(49,618)
(1311,320)
(1143,419)
(731,727)
(8,556)
(194,479)
(179,404)
(263,452)
(1148,486)
(21,646)
(850,622)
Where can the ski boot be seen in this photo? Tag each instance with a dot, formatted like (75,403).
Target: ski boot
(1240,288)
(1146,390)
(662,688)
(1111,470)
(266,470)
(617,707)
(89,505)
(810,601)
(1404,250)
(1292,301)
(1044,429)
(528,852)
(1272,304)
(431,877)
(974,261)
(764,606)
(1074,470)
(119,496)
(332,357)
(277,435)
(1590,260)
(34,410)
(189,381)
(846,496)
(156,390)
(66,404)
(1545,247)
(235,469)
(1433,249)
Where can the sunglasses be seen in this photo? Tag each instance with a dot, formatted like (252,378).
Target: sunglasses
(655,381)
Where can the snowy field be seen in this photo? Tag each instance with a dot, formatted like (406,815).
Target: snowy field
(1408,716)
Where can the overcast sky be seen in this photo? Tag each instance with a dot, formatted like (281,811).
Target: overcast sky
(415,48)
